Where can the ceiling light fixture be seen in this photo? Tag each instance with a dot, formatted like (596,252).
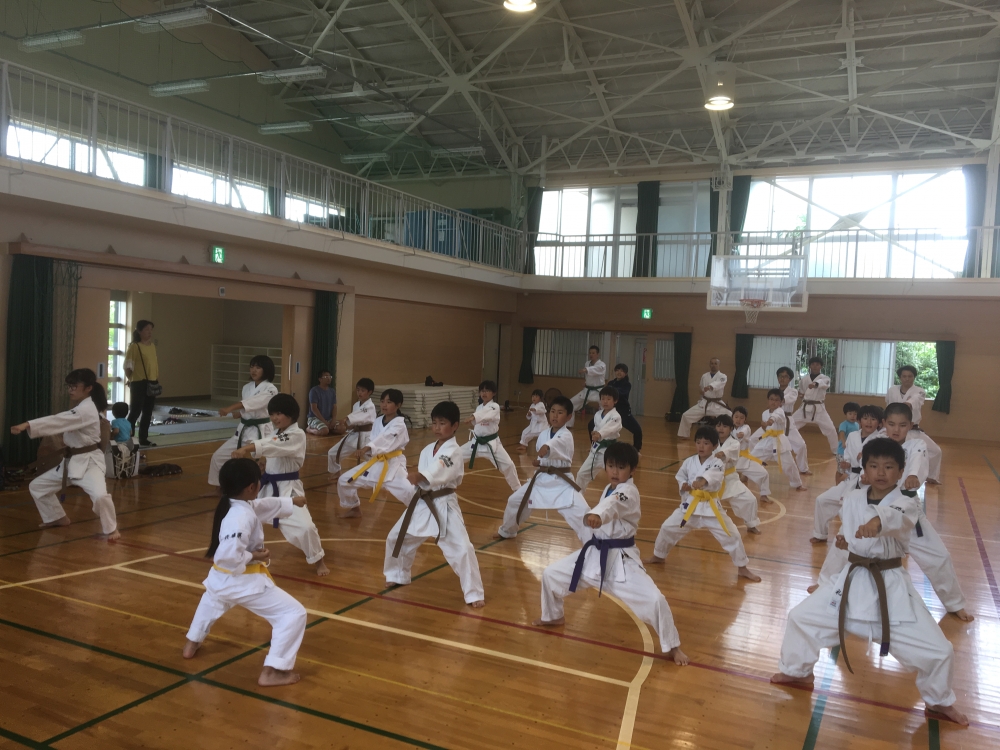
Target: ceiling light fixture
(520,6)
(174,19)
(461,151)
(292,75)
(720,86)
(357,89)
(391,118)
(178,88)
(52,40)
(364,158)
(278,128)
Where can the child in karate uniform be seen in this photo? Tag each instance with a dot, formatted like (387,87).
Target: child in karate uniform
(485,440)
(813,387)
(748,465)
(773,444)
(359,426)
(537,420)
(740,499)
(879,522)
(913,395)
(700,478)
(82,461)
(239,574)
(285,452)
(432,511)
(790,395)
(252,412)
(552,487)
(612,525)
(607,428)
(381,463)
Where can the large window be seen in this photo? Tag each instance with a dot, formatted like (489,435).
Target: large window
(562,353)
(117,344)
(70,153)
(204,186)
(663,359)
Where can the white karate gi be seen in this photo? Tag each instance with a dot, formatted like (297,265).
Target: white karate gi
(828,503)
(487,418)
(748,467)
(609,427)
(361,415)
(79,427)
(255,400)
(915,640)
(915,397)
(795,441)
(241,533)
(704,407)
(770,448)
(671,532)
(593,381)
(538,421)
(813,409)
(550,492)
(285,453)
(740,499)
(385,438)
(440,470)
(624,576)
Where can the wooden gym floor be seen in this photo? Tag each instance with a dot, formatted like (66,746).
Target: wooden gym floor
(92,632)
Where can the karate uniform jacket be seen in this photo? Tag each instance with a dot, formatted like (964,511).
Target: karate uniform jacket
(386,438)
(608,426)
(538,419)
(361,414)
(596,373)
(731,449)
(713,470)
(240,534)
(915,397)
(718,383)
(781,441)
(620,512)
(255,399)
(440,470)
(285,452)
(551,492)
(79,427)
(487,419)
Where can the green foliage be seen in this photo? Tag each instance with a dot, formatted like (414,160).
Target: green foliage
(923,356)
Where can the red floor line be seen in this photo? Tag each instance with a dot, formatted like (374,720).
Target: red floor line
(990,578)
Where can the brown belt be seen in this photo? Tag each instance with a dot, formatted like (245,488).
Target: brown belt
(875,566)
(353,431)
(63,456)
(713,401)
(813,404)
(427,496)
(563,474)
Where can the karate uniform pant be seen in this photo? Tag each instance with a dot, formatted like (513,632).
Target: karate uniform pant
(578,401)
(933,455)
(827,508)
(573,515)
(501,462)
(798,447)
(788,466)
(821,419)
(456,547)
(44,489)
(399,487)
(757,473)
(530,433)
(225,451)
(671,532)
(696,413)
(639,594)
(929,552)
(918,646)
(744,504)
(352,442)
(301,532)
(281,609)
(593,465)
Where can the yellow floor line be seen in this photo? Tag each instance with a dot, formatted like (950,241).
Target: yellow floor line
(635,688)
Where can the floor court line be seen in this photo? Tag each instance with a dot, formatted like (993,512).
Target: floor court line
(987,567)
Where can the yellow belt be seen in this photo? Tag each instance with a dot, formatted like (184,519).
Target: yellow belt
(750,457)
(710,498)
(384,458)
(777,435)
(255,567)
(731,470)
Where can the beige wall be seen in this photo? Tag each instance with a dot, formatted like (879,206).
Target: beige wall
(90,344)
(247,323)
(186,328)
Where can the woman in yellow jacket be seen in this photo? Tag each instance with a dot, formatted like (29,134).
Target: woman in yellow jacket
(142,373)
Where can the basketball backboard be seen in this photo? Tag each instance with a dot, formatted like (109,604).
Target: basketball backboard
(774,283)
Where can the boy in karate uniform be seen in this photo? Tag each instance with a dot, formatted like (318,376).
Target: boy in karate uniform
(813,388)
(552,486)
(748,465)
(795,442)
(607,428)
(712,388)
(610,558)
(486,436)
(285,452)
(432,511)
(700,478)
(913,395)
(879,522)
(773,443)
(740,499)
(381,462)
(359,426)
(537,420)
(594,372)
(252,412)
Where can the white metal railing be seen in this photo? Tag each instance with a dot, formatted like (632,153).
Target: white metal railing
(46,120)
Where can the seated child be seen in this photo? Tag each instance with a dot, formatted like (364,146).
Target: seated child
(121,428)
(850,424)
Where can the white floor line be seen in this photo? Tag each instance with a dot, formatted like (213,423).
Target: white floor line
(76,573)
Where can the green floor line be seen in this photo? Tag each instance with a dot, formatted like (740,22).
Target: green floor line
(933,735)
(26,741)
(820,708)
(992,468)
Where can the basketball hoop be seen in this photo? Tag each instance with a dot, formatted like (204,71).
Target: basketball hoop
(752,308)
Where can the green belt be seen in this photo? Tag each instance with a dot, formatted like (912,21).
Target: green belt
(251,423)
(484,440)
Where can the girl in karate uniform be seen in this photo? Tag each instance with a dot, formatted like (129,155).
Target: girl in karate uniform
(359,426)
(252,408)
(749,466)
(740,499)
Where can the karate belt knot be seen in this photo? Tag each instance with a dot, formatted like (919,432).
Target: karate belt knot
(604,546)
(777,435)
(750,457)
(806,404)
(562,473)
(251,568)
(708,401)
(482,440)
(64,456)
(586,396)
(273,479)
(384,458)
(353,431)
(711,498)
(875,566)
(251,423)
(428,496)
(917,528)
(788,422)
(595,449)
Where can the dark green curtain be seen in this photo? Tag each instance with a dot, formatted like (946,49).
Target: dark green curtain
(527,375)
(646,223)
(324,345)
(975,207)
(744,351)
(533,220)
(946,370)
(29,352)
(738,202)
(682,370)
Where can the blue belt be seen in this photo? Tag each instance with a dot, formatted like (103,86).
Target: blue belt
(605,546)
(273,479)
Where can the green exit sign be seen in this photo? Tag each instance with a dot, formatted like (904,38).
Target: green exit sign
(647,313)
(217,254)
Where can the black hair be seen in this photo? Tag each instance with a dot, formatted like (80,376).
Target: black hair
(139,325)
(776,392)
(266,364)
(595,348)
(726,421)
(899,408)
(871,410)
(707,433)
(284,403)
(621,455)
(367,383)
(488,385)
(447,410)
(235,476)
(85,376)
(621,366)
(609,390)
(909,368)
(564,402)
(789,370)
(816,359)
(119,410)
(852,406)
(539,392)
(393,394)
(742,410)
(322,372)
(883,448)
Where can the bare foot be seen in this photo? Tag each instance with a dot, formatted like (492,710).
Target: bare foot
(498,535)
(354,512)
(190,649)
(806,473)
(816,540)
(522,449)
(478,605)
(654,560)
(540,623)
(271,677)
(801,488)
(321,569)
(745,572)
(963,615)
(114,536)
(781,678)
(766,500)
(390,585)
(935,481)
(64,521)
(812,588)
(753,530)
(679,657)
(948,713)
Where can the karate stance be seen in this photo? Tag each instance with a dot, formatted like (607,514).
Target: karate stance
(594,372)
(915,396)
(748,465)
(485,440)
(607,428)
(359,426)
(251,410)
(740,499)
(537,420)
(813,388)
(711,404)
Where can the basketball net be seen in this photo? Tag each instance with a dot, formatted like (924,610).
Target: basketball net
(752,308)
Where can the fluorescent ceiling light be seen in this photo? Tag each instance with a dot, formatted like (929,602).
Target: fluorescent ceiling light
(392,118)
(52,40)
(519,6)
(363,158)
(277,128)
(177,88)
(292,75)
(461,151)
(173,19)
